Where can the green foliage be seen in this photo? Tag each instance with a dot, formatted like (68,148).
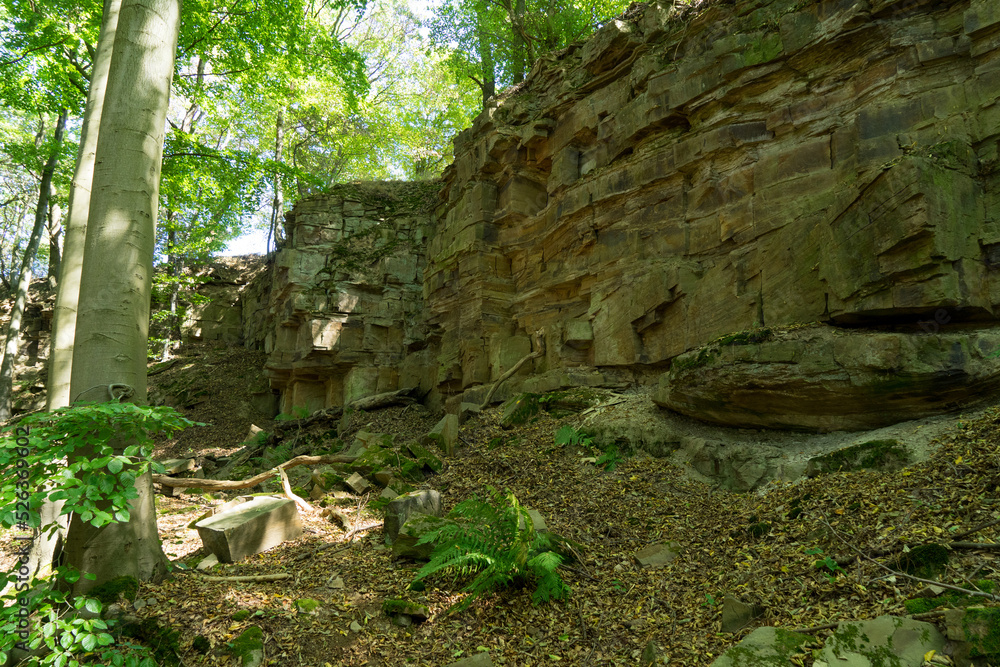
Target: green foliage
(497,543)
(826,565)
(499,41)
(298,412)
(89,456)
(70,454)
(610,455)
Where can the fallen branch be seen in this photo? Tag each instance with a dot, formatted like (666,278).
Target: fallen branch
(219,484)
(931,582)
(988,524)
(287,488)
(982,546)
(247,577)
(539,351)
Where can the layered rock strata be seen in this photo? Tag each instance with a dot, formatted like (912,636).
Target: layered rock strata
(684,174)
(346,311)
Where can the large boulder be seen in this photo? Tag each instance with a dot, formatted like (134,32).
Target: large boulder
(425,501)
(827,379)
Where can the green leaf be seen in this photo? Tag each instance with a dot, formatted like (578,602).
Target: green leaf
(115,465)
(94,606)
(89,642)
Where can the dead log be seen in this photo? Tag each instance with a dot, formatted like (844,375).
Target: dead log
(385,400)
(225,485)
(245,577)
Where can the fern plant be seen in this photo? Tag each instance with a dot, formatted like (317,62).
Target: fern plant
(497,542)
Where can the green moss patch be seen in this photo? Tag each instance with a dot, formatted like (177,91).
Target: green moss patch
(874,454)
(926,560)
(248,643)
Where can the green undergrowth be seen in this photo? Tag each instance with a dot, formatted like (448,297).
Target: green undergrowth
(494,542)
(920,605)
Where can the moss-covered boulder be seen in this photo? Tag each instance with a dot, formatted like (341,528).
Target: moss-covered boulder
(872,455)
(978,628)
(394,607)
(886,640)
(764,647)
(926,560)
(248,648)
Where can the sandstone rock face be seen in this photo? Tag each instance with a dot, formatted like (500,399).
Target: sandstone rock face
(824,379)
(675,180)
(345,296)
(683,175)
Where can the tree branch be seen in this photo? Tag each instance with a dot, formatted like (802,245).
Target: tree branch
(30,51)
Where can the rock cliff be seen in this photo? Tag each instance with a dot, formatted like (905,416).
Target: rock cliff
(685,174)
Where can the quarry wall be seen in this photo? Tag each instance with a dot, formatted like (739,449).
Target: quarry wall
(821,175)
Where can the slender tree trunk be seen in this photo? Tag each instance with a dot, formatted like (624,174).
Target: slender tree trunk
(522,46)
(64,316)
(277,204)
(489,82)
(173,270)
(113,319)
(46,549)
(24,277)
(55,231)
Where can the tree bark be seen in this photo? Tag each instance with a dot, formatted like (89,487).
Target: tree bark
(24,278)
(174,271)
(112,325)
(486,61)
(277,205)
(55,231)
(64,316)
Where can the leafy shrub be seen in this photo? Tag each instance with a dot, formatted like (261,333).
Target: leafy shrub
(496,542)
(68,455)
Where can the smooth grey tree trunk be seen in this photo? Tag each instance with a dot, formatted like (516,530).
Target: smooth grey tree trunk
(24,277)
(64,316)
(112,324)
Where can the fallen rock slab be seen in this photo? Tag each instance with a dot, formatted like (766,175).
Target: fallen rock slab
(863,643)
(399,510)
(250,528)
(657,555)
(763,646)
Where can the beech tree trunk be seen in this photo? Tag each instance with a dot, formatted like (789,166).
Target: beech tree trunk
(24,277)
(112,324)
(64,316)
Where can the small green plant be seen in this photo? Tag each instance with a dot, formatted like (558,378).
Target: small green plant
(298,412)
(709,600)
(567,435)
(826,565)
(610,456)
(496,542)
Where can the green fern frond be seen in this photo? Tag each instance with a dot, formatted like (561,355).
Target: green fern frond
(497,542)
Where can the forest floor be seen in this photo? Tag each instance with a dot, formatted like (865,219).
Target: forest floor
(767,548)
